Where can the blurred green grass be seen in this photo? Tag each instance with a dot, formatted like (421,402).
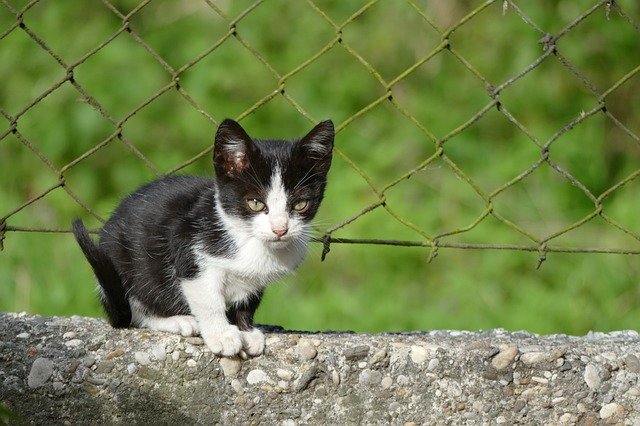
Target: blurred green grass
(361,288)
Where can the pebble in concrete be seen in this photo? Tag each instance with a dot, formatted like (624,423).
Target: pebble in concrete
(403,380)
(88,361)
(433,364)
(591,376)
(41,371)
(537,357)
(284,374)
(633,363)
(418,354)
(306,350)
(505,357)
(237,386)
(611,410)
(257,376)
(230,366)
(115,353)
(369,377)
(386,382)
(378,357)
(73,343)
(143,358)
(195,340)
(158,352)
(356,353)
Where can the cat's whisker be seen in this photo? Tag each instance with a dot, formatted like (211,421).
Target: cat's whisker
(321,225)
(312,168)
(306,178)
(256,179)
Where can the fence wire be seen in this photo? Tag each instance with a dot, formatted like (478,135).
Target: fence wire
(550,51)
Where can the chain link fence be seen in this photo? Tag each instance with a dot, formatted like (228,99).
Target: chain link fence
(224,26)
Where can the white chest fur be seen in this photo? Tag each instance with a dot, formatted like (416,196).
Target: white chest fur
(258,259)
(251,269)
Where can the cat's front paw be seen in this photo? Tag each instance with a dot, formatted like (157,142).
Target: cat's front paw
(253,342)
(226,341)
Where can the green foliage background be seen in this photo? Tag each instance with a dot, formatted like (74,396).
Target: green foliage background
(361,288)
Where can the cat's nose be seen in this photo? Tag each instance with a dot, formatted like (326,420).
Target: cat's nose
(280,232)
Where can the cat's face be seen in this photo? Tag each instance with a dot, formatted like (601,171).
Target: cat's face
(271,190)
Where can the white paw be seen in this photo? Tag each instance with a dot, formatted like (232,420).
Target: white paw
(253,342)
(185,325)
(225,341)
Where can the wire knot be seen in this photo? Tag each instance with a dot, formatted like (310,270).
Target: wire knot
(492,90)
(326,246)
(607,8)
(3,230)
(548,42)
(433,253)
(542,255)
(545,153)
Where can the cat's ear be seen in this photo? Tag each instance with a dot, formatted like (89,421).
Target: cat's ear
(232,149)
(317,145)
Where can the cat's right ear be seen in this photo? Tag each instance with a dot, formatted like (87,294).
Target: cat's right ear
(318,143)
(232,149)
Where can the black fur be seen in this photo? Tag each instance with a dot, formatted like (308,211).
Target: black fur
(113,299)
(146,247)
(242,314)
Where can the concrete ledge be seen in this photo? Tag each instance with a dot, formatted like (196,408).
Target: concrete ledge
(81,371)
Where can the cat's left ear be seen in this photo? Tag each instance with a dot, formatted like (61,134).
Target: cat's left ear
(317,145)
(232,149)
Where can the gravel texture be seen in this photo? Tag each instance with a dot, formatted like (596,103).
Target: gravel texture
(81,371)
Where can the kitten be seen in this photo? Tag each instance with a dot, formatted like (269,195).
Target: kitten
(192,255)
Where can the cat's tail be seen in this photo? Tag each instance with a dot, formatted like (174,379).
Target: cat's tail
(113,295)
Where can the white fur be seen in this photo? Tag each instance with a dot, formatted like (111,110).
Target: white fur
(185,325)
(277,205)
(253,342)
(234,146)
(264,225)
(262,257)
(205,296)
(317,147)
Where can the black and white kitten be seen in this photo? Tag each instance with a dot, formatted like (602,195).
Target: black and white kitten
(193,255)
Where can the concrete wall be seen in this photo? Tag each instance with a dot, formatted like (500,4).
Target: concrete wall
(80,371)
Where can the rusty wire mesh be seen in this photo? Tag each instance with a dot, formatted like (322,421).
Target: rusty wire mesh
(549,51)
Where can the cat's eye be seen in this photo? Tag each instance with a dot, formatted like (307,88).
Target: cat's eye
(301,206)
(255,205)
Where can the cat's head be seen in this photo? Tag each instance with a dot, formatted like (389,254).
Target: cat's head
(271,189)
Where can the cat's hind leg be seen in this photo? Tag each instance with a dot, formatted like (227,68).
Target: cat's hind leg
(185,325)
